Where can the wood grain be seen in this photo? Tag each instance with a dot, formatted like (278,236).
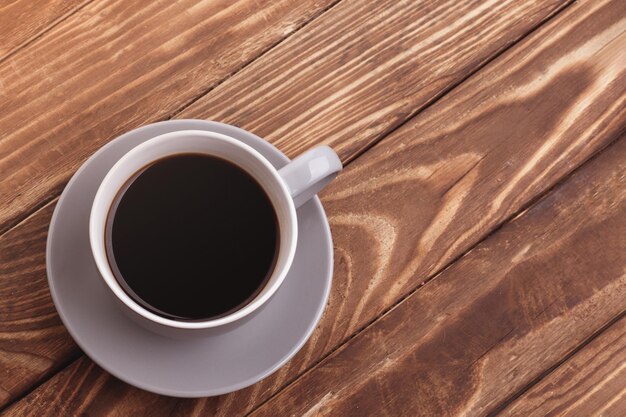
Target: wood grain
(359,72)
(429,192)
(62,396)
(491,323)
(31,333)
(23,20)
(591,383)
(113,66)
(72,144)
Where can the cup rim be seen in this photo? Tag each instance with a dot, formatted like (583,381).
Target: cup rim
(103,265)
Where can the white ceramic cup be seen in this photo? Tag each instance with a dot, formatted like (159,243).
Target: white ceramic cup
(287,189)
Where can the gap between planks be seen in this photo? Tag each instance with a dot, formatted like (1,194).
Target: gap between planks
(45,30)
(506,403)
(453,86)
(185,106)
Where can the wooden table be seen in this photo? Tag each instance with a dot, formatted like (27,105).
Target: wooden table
(479,225)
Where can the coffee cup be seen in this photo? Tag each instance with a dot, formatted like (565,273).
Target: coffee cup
(286,189)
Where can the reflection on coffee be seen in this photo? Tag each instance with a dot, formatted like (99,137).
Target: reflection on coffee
(192,237)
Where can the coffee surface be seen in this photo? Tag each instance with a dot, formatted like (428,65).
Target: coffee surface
(192,237)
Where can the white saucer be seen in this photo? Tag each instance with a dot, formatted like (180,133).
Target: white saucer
(214,365)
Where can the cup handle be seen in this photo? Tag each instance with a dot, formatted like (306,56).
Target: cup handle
(307,174)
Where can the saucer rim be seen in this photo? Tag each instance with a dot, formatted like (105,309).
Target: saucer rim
(169,391)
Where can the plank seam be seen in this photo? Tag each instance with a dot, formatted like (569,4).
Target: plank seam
(74,357)
(242,67)
(45,30)
(506,403)
(28,214)
(453,86)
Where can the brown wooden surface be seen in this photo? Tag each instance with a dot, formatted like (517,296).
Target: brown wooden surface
(31,268)
(592,382)
(32,333)
(484,328)
(125,68)
(403,210)
(22,21)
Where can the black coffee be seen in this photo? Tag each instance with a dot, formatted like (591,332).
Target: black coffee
(192,237)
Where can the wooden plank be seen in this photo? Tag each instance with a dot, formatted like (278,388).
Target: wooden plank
(495,320)
(592,382)
(116,65)
(23,20)
(365,68)
(427,193)
(31,333)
